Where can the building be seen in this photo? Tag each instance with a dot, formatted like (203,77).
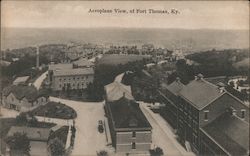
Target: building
(76,78)
(204,115)
(38,138)
(22,98)
(21,80)
(129,128)
(65,76)
(114,91)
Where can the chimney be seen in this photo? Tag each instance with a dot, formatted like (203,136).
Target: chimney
(37,57)
(123,94)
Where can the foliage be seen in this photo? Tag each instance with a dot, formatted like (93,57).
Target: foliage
(19,141)
(156,152)
(56,147)
(102,153)
(105,74)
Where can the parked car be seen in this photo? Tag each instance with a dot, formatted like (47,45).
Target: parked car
(100,126)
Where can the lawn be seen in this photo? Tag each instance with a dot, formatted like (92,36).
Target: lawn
(114,59)
(55,110)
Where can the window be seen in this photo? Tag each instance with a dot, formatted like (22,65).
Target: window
(60,79)
(133,145)
(206,115)
(133,134)
(243,113)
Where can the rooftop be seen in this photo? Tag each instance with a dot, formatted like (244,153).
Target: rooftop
(127,114)
(200,93)
(175,87)
(116,90)
(21,91)
(22,79)
(76,71)
(230,132)
(41,134)
(60,66)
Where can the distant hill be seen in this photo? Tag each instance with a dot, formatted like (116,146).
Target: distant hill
(188,40)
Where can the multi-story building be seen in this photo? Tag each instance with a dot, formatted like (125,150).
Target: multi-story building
(77,78)
(205,115)
(64,77)
(129,128)
(22,98)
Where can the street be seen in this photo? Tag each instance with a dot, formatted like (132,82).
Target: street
(162,135)
(88,140)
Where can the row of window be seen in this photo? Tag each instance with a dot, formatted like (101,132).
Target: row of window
(232,110)
(74,78)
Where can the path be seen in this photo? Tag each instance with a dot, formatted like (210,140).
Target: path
(40,80)
(162,135)
(88,140)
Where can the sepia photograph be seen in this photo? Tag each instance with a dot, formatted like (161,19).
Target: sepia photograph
(124,78)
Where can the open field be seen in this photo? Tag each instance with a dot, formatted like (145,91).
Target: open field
(115,59)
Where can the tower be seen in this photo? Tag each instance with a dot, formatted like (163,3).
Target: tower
(37,57)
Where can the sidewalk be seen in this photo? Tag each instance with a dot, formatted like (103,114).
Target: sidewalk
(171,145)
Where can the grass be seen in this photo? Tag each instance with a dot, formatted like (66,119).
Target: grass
(115,59)
(55,110)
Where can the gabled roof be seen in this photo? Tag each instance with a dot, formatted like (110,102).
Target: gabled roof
(22,79)
(39,134)
(229,132)
(21,91)
(116,90)
(127,114)
(175,87)
(200,93)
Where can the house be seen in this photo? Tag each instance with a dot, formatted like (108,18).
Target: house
(129,128)
(38,138)
(114,91)
(23,98)
(197,108)
(21,80)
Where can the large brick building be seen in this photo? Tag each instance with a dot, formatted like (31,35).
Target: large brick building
(129,128)
(64,77)
(205,115)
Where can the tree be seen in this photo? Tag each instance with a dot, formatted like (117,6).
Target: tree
(56,147)
(156,152)
(102,153)
(19,142)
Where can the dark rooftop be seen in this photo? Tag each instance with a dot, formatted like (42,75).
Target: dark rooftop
(200,93)
(231,133)
(21,91)
(127,114)
(175,87)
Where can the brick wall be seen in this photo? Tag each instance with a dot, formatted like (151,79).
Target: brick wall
(220,106)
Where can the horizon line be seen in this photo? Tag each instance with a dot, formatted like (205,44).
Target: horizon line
(119,28)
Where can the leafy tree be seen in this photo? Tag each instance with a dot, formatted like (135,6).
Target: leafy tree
(19,142)
(56,147)
(156,152)
(102,153)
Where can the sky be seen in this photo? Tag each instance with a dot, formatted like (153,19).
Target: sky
(74,14)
